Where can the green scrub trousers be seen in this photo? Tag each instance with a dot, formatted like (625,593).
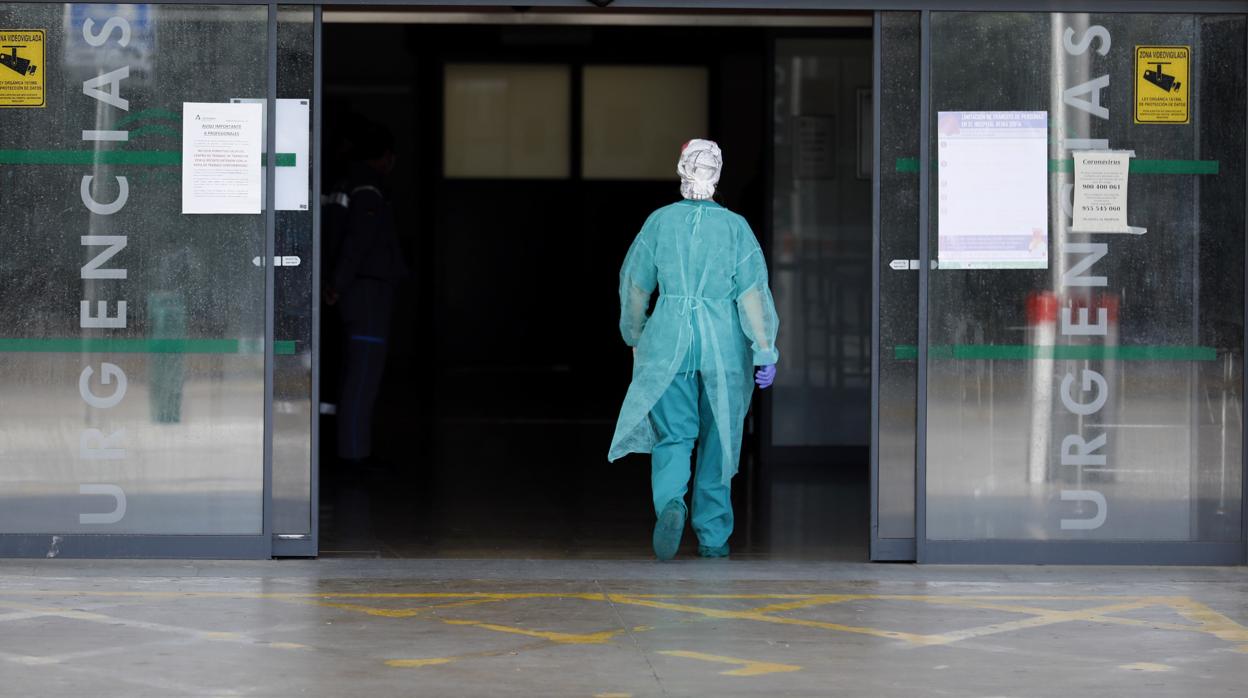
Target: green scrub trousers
(681,419)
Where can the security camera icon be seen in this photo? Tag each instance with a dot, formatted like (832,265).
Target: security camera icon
(16,63)
(1159,78)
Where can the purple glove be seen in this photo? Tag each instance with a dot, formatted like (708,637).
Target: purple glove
(765,376)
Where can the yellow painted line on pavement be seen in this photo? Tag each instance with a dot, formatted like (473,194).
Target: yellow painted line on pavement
(594,596)
(401,612)
(496,596)
(413,663)
(747,667)
(1092,614)
(1204,619)
(996,604)
(1048,618)
(513,596)
(1147,666)
(1209,620)
(219,635)
(561,638)
(1039,617)
(483,654)
(736,597)
(483,595)
(509,596)
(804,603)
(1225,629)
(992,598)
(780,620)
(1116,620)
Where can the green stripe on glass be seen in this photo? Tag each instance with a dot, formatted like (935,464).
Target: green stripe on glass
(109,157)
(157,113)
(90,157)
(142,346)
(154,129)
(1158,167)
(1027,352)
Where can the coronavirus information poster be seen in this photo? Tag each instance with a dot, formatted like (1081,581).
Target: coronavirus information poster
(1101,191)
(993,189)
(221,170)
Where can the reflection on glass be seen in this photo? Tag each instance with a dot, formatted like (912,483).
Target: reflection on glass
(131,362)
(1098,399)
(821,218)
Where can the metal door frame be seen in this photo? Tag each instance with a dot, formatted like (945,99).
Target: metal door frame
(881,549)
(308,544)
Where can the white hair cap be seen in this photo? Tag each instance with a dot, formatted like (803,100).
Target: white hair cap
(699,167)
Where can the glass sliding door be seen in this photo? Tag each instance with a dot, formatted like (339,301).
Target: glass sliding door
(132,336)
(1084,396)
(817,436)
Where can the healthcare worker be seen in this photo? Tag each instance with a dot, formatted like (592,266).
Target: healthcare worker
(364,282)
(697,358)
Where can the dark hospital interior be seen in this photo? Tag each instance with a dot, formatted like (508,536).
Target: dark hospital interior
(505,370)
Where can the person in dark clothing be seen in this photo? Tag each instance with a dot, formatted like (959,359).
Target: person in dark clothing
(363,285)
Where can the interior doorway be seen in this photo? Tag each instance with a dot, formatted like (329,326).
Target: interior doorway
(528,158)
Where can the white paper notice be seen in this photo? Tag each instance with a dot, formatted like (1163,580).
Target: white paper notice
(221,157)
(993,189)
(294,125)
(1101,191)
(294,122)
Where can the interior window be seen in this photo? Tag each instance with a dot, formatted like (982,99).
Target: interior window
(636,117)
(507,121)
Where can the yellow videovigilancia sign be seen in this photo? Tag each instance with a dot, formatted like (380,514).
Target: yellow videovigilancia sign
(1161,85)
(21,68)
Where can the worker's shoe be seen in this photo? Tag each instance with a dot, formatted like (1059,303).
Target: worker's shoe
(713,551)
(669,529)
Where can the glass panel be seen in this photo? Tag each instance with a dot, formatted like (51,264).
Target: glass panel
(292,385)
(1098,399)
(150,421)
(635,117)
(508,120)
(899,285)
(821,268)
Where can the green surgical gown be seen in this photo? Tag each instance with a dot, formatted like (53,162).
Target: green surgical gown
(712,282)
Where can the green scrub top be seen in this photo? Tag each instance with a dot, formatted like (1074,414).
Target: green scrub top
(712,282)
